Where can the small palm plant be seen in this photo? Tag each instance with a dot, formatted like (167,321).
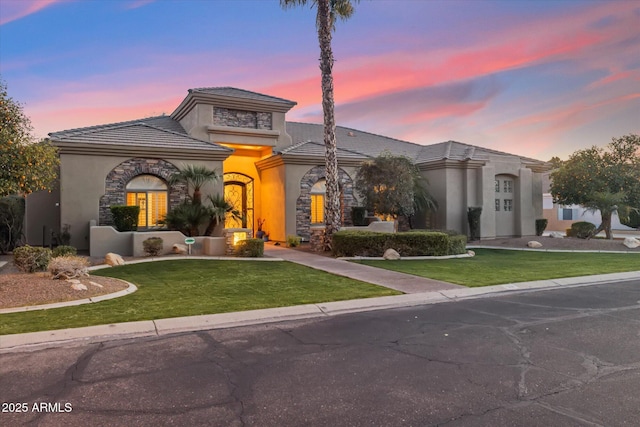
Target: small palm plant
(218,212)
(195,176)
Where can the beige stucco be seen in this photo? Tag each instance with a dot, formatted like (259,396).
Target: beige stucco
(82,183)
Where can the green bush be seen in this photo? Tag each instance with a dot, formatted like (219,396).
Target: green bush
(152,246)
(293,241)
(12,209)
(541,225)
(457,245)
(64,250)
(582,229)
(252,248)
(411,243)
(359,216)
(31,259)
(632,220)
(125,218)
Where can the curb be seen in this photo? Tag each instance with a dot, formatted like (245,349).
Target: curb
(163,327)
(551,250)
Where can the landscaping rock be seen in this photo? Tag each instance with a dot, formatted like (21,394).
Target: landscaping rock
(113,259)
(78,287)
(97,285)
(534,244)
(471,253)
(391,254)
(556,235)
(179,248)
(631,242)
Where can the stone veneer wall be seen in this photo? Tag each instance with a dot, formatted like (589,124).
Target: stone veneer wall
(303,204)
(117,179)
(242,119)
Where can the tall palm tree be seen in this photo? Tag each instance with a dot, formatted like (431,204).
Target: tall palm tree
(195,176)
(327,12)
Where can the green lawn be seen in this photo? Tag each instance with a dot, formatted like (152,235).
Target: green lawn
(193,287)
(494,267)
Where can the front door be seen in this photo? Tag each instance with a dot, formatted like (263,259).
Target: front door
(238,192)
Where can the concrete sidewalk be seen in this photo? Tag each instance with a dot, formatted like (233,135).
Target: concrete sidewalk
(402,282)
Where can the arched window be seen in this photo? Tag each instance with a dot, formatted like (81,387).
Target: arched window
(317,201)
(150,193)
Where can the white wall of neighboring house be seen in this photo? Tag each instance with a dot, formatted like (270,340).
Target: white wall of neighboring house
(561,217)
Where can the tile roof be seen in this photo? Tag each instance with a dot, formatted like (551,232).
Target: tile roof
(311,148)
(154,132)
(241,93)
(371,145)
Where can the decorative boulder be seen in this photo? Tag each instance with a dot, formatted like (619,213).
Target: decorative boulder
(631,242)
(533,244)
(179,248)
(471,253)
(556,235)
(391,254)
(78,287)
(113,259)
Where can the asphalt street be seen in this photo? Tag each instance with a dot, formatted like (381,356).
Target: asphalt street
(562,357)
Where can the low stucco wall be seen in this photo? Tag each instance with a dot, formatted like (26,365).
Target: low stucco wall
(105,239)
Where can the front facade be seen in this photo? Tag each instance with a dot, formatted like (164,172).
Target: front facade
(270,169)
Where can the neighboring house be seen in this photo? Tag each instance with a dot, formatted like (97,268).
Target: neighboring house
(560,217)
(271,169)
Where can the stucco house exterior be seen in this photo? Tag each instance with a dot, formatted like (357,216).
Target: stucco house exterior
(271,169)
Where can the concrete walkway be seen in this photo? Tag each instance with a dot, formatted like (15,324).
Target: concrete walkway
(402,282)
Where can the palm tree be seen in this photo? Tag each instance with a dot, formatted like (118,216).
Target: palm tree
(219,210)
(327,12)
(195,176)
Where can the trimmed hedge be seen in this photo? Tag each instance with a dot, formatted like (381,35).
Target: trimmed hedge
(582,229)
(411,243)
(541,225)
(125,218)
(252,248)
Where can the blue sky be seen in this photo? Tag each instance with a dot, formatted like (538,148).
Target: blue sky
(535,78)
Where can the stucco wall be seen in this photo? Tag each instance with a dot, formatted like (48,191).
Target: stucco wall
(82,184)
(42,210)
(273,203)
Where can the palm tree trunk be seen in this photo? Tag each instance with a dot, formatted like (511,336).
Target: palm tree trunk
(332,197)
(605,225)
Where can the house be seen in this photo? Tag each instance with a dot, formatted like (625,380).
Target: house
(560,217)
(270,169)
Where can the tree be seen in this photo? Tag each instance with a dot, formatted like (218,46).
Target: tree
(327,12)
(25,166)
(195,176)
(392,185)
(602,180)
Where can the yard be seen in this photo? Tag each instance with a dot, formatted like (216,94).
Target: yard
(194,287)
(493,266)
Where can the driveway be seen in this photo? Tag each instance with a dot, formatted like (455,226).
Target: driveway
(565,357)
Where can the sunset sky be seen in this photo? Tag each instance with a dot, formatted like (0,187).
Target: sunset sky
(536,78)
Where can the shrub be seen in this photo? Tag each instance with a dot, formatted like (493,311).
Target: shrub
(359,216)
(582,229)
(125,218)
(293,241)
(253,248)
(473,216)
(569,232)
(31,259)
(541,225)
(65,235)
(152,246)
(457,244)
(68,267)
(63,250)
(411,243)
(12,209)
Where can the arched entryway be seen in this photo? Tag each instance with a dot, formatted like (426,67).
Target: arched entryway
(238,191)
(505,205)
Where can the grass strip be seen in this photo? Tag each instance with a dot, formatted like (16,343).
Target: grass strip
(494,267)
(195,287)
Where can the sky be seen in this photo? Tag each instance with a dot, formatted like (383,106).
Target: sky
(535,78)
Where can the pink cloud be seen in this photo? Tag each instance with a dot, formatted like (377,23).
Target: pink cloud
(14,10)
(138,3)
